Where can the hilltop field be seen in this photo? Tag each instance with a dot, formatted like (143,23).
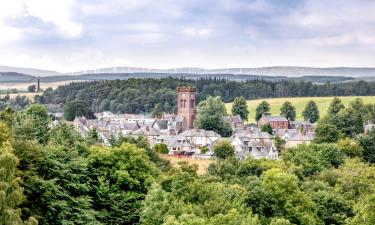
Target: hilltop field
(299,103)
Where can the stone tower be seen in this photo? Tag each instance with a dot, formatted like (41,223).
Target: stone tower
(186,104)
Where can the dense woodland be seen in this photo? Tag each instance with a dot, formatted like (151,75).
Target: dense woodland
(50,174)
(142,95)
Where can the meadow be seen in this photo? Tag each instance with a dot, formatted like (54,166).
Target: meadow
(299,103)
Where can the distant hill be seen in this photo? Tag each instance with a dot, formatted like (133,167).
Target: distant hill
(29,71)
(276,71)
(18,77)
(12,77)
(288,71)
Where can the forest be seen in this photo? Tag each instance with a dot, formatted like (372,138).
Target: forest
(142,95)
(50,174)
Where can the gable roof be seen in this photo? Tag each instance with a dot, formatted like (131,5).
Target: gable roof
(275,118)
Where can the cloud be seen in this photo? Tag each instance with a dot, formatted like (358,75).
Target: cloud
(76,34)
(197,32)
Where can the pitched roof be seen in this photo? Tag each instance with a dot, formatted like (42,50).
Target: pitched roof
(200,133)
(275,118)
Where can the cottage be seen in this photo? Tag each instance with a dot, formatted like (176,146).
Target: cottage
(200,137)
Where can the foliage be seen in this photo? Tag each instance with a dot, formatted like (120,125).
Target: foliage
(288,111)
(11,194)
(210,116)
(33,123)
(267,128)
(280,144)
(326,133)
(121,177)
(312,159)
(157,111)
(223,150)
(311,112)
(31,88)
(77,108)
(93,137)
(262,109)
(351,148)
(161,148)
(335,107)
(367,142)
(239,107)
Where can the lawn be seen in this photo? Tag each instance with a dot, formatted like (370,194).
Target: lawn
(299,103)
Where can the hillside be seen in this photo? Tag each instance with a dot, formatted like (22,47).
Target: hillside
(299,103)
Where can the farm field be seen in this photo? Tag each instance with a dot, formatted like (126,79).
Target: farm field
(299,103)
(201,163)
(22,88)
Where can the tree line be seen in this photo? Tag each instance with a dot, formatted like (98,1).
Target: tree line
(142,95)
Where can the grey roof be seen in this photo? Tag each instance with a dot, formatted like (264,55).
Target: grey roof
(162,124)
(200,133)
(146,130)
(275,118)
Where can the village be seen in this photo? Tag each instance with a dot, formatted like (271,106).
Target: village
(177,131)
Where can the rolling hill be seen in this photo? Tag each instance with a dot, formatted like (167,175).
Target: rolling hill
(299,103)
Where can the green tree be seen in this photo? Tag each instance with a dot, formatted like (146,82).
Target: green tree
(288,111)
(5,133)
(267,128)
(326,133)
(368,144)
(280,144)
(348,122)
(161,148)
(239,107)
(121,177)
(31,88)
(350,147)
(210,116)
(93,137)
(335,107)
(365,213)
(262,109)
(11,195)
(158,111)
(223,150)
(33,123)
(77,108)
(311,112)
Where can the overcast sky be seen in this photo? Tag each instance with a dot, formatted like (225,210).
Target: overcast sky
(70,35)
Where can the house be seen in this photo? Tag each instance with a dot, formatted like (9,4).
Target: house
(147,131)
(276,122)
(245,146)
(200,137)
(177,144)
(235,122)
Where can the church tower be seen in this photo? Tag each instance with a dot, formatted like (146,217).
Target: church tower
(186,104)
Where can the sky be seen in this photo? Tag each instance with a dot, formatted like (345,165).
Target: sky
(73,35)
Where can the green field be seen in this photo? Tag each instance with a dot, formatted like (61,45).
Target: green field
(299,103)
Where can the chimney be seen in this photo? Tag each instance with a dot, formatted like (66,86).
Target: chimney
(38,84)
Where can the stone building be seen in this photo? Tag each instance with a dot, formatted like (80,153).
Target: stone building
(186,104)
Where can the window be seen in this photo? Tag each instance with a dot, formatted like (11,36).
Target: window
(191,103)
